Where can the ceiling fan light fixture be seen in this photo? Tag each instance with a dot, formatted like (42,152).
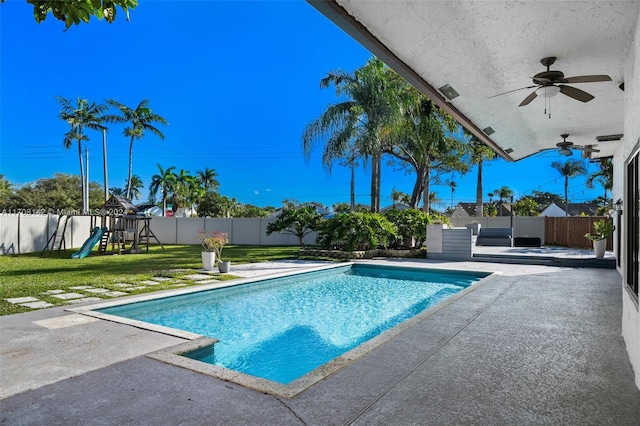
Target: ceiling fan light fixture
(547,91)
(565,151)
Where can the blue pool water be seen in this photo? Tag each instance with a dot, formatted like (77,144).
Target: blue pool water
(280,329)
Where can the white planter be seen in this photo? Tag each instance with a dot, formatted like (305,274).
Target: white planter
(224,267)
(599,247)
(208,260)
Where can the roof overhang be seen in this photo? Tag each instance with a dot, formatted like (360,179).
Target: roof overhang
(486,48)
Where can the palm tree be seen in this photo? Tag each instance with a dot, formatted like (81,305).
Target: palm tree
(163,181)
(82,115)
(503,193)
(359,123)
(135,185)
(186,190)
(604,176)
(141,119)
(453,185)
(568,169)
(207,178)
(479,153)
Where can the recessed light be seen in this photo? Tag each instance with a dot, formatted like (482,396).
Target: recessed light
(449,92)
(508,150)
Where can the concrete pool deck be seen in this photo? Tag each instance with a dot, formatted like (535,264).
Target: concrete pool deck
(534,345)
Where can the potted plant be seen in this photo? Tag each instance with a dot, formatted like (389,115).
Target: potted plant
(209,246)
(601,230)
(221,239)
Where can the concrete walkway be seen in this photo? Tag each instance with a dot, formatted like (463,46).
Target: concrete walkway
(534,345)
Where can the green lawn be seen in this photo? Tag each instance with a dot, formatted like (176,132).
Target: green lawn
(32,275)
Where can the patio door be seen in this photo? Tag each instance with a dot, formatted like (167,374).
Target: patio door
(633,222)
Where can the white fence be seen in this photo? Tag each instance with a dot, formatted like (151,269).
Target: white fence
(20,233)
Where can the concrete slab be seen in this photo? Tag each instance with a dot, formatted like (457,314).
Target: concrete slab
(67,296)
(37,305)
(17,300)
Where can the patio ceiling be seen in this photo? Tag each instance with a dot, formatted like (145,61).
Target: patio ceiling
(485,48)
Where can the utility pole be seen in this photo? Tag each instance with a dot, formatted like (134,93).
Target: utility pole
(104,165)
(85,201)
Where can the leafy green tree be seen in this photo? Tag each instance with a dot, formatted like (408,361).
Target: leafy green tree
(526,206)
(569,169)
(298,220)
(6,189)
(604,176)
(140,119)
(213,204)
(83,115)
(207,179)
(61,192)
(357,231)
(427,142)
(76,11)
(359,124)
(164,182)
(346,208)
(544,199)
(186,190)
(248,210)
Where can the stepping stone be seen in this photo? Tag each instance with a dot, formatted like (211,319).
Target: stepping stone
(27,299)
(122,285)
(149,282)
(179,285)
(81,287)
(207,281)
(85,299)
(136,288)
(68,296)
(197,277)
(115,293)
(97,290)
(53,292)
(37,305)
(161,279)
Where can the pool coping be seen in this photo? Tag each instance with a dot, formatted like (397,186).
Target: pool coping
(174,355)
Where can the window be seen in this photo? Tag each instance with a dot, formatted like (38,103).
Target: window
(633,223)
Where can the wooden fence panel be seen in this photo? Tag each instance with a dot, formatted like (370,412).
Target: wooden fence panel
(569,231)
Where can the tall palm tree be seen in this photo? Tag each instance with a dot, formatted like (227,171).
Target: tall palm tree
(479,154)
(568,169)
(604,176)
(504,192)
(453,185)
(83,115)
(361,121)
(207,178)
(165,182)
(186,189)
(141,119)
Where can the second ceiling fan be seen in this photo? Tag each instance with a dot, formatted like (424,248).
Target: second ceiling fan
(566,146)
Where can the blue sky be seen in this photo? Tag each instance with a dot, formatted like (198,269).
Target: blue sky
(237,82)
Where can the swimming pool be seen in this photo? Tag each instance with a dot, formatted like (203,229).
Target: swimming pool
(281,329)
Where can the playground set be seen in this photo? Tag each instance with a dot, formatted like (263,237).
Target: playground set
(117,226)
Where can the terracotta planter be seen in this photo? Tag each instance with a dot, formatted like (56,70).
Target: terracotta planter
(599,247)
(208,260)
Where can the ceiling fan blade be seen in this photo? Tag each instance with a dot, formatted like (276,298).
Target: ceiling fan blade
(511,91)
(577,94)
(528,99)
(586,79)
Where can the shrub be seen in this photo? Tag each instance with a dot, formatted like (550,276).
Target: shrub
(411,225)
(356,231)
(298,220)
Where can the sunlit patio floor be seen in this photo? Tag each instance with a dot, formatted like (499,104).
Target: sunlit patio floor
(531,345)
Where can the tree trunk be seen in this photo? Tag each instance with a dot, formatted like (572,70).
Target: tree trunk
(353,188)
(426,207)
(375,198)
(81,172)
(130,168)
(479,212)
(566,196)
